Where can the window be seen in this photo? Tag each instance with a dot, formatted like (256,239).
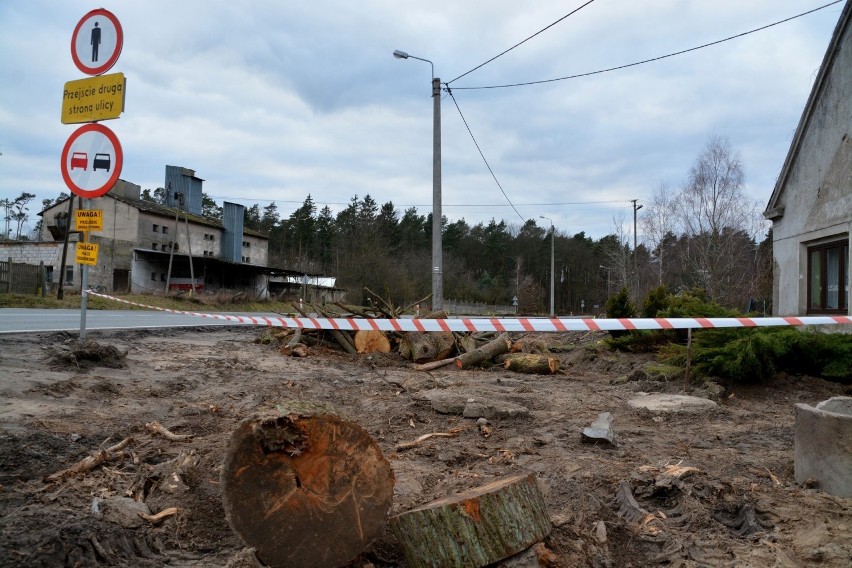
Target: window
(156,227)
(153,276)
(828,278)
(165,230)
(246,244)
(153,246)
(69,273)
(162,277)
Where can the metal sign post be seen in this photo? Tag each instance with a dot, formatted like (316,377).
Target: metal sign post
(84,279)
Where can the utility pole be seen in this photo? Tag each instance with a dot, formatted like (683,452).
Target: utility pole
(635,259)
(552,263)
(437,217)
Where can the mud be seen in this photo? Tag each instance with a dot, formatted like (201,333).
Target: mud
(619,505)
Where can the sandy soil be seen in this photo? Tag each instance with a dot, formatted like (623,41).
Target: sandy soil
(741,507)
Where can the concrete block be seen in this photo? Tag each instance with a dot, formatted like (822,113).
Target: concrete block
(823,445)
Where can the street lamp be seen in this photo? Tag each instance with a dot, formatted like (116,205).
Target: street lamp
(552,247)
(437,217)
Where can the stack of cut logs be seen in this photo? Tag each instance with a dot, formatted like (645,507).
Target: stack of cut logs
(427,351)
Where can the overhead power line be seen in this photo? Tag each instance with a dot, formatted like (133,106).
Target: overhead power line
(712,43)
(487,165)
(521,42)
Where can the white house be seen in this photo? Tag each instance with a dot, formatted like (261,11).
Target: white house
(811,205)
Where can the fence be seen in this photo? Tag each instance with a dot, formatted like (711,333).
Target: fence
(477,308)
(19,278)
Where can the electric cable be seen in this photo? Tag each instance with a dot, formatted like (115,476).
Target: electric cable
(712,43)
(521,42)
(472,137)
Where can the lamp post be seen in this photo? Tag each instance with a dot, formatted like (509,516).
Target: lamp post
(552,247)
(437,217)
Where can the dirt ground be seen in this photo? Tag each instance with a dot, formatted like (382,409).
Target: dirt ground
(742,507)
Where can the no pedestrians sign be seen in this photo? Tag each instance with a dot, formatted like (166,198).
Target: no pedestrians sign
(97,41)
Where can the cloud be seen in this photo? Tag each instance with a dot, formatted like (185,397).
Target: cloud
(272,101)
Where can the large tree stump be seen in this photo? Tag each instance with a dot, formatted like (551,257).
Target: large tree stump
(474,528)
(425,347)
(305,487)
(371,341)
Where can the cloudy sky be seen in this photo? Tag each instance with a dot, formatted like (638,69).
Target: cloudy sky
(272,101)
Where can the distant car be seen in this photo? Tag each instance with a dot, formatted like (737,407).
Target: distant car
(79,160)
(102,161)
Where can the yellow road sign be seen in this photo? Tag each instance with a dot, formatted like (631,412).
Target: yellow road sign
(95,98)
(87,253)
(89,219)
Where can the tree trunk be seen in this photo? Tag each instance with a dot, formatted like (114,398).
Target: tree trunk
(475,528)
(425,347)
(488,351)
(305,487)
(531,364)
(372,342)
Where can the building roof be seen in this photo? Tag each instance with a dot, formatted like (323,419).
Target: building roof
(772,209)
(166,211)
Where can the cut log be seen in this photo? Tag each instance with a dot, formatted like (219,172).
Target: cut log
(296,339)
(488,351)
(475,528)
(372,341)
(425,347)
(536,346)
(305,487)
(531,363)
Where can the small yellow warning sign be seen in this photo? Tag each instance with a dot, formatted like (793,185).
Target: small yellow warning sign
(87,253)
(89,219)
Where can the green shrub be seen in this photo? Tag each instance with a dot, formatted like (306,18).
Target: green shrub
(694,304)
(655,302)
(756,355)
(620,306)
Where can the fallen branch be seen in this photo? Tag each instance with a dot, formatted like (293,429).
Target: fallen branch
(355,310)
(390,313)
(413,444)
(164,514)
(90,462)
(413,304)
(432,365)
(157,428)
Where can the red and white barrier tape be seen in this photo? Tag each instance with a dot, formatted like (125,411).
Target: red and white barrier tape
(501,324)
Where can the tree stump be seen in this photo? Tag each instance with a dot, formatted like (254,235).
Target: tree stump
(371,341)
(474,528)
(425,347)
(304,487)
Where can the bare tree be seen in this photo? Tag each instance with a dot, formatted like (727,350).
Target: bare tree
(715,214)
(617,253)
(658,222)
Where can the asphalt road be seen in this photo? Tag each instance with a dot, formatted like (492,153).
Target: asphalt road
(18,320)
